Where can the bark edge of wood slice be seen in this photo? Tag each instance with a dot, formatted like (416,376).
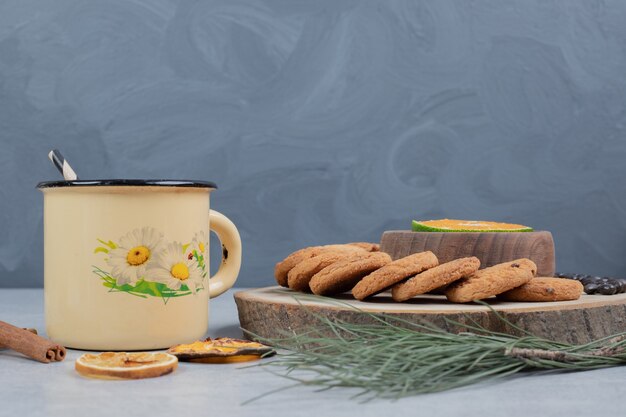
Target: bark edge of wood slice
(490,247)
(268,311)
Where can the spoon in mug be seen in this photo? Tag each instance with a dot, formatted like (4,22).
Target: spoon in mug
(62,165)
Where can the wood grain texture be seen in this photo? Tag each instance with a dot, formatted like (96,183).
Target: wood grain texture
(267,312)
(490,248)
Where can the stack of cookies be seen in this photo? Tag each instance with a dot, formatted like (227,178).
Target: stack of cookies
(364,270)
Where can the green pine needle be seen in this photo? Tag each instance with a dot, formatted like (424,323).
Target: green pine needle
(394,358)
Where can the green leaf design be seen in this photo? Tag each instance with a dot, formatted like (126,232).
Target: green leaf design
(200,260)
(101,249)
(142,288)
(114,288)
(110,243)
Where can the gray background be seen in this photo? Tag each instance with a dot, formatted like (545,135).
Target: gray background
(324,121)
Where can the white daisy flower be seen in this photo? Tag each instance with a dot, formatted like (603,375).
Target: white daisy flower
(199,244)
(134,254)
(173,268)
(197,250)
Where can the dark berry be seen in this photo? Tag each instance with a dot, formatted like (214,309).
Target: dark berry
(596,284)
(591,288)
(589,280)
(607,289)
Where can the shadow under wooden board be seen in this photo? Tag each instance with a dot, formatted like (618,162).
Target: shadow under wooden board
(268,311)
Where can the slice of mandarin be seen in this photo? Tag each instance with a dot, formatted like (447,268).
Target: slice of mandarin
(122,365)
(450,225)
(221,350)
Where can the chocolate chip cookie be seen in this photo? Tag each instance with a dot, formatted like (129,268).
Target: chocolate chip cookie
(545,289)
(342,275)
(300,275)
(393,273)
(434,278)
(283,267)
(492,281)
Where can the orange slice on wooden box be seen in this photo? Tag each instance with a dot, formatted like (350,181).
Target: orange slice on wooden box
(221,350)
(449,225)
(122,365)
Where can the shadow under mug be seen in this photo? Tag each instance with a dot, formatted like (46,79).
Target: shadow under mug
(126,262)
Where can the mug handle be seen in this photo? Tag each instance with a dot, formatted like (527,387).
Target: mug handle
(228,234)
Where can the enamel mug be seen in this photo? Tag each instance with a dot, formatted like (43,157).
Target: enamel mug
(126,262)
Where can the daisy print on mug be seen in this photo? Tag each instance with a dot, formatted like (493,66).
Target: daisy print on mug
(129,260)
(142,263)
(174,269)
(197,250)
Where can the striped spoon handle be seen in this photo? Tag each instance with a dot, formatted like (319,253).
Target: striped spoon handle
(62,165)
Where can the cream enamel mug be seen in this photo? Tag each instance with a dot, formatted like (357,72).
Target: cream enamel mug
(126,262)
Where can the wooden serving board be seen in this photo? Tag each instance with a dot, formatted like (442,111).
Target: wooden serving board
(269,311)
(490,248)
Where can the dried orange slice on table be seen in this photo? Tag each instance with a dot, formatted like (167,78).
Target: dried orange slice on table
(221,350)
(450,225)
(122,365)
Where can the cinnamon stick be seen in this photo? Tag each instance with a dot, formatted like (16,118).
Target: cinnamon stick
(29,344)
(30,329)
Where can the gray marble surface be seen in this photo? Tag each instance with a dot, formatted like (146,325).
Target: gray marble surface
(324,121)
(33,389)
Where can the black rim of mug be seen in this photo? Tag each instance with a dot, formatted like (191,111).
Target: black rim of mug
(128,183)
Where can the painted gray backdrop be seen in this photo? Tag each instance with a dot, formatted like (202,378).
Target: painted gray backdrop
(324,120)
